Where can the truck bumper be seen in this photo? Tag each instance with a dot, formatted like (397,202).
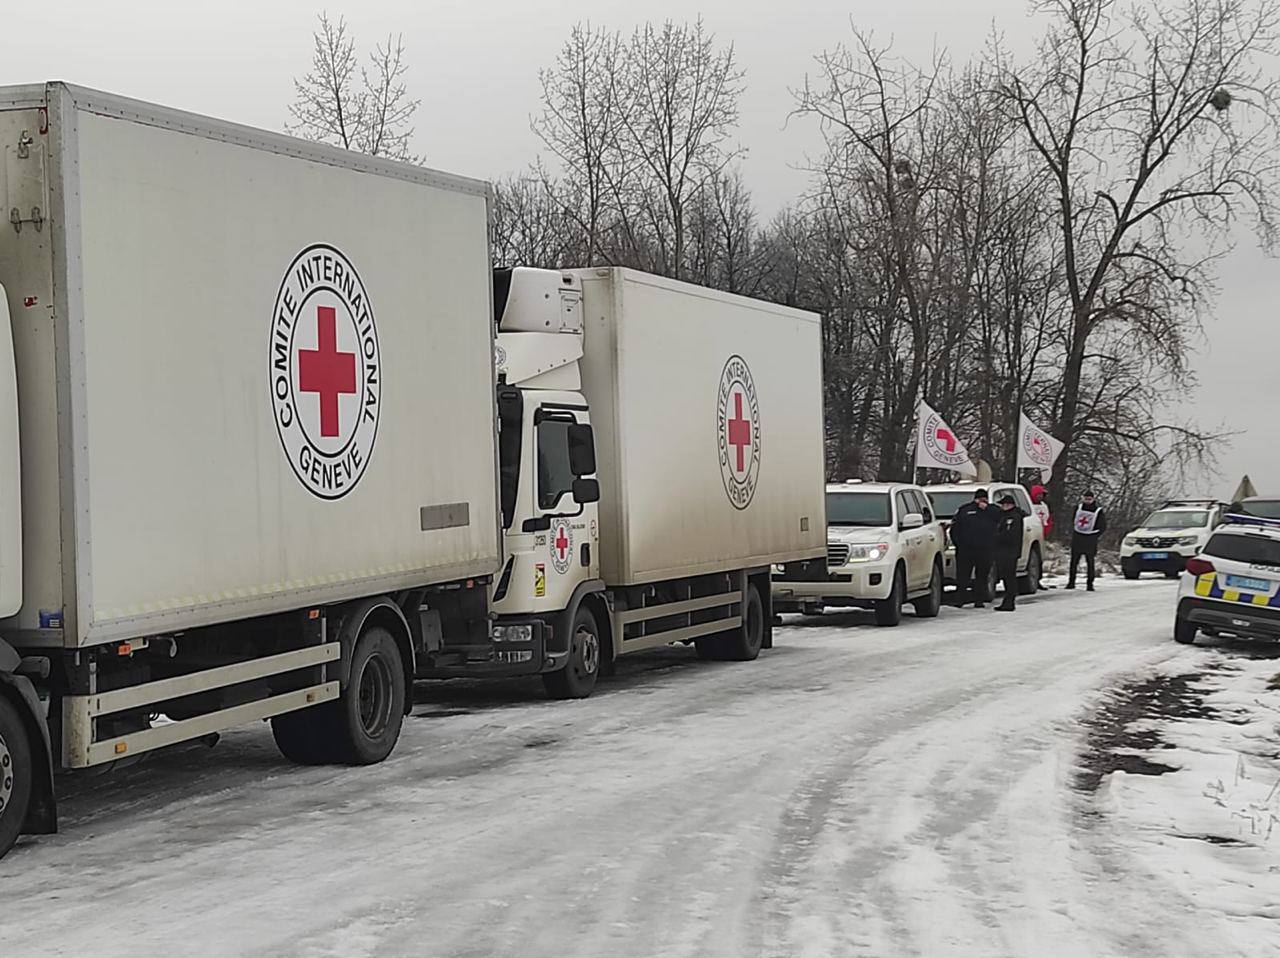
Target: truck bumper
(1245,621)
(510,652)
(851,585)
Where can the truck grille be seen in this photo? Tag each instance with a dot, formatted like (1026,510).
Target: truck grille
(837,553)
(1155,543)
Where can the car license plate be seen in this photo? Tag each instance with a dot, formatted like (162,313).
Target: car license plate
(1243,582)
(1155,555)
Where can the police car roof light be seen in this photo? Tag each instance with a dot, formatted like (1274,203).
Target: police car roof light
(1237,519)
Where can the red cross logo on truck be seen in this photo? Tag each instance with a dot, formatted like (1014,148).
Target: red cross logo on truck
(561,545)
(738,428)
(327,370)
(740,432)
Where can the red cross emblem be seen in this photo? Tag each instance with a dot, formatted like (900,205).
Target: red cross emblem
(1082,521)
(739,432)
(946,439)
(562,544)
(326,370)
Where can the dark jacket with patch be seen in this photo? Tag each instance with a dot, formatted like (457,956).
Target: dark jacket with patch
(974,529)
(1009,531)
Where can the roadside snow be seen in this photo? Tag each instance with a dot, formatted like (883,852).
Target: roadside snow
(1207,834)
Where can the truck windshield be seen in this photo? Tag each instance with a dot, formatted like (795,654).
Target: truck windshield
(1257,550)
(1176,519)
(858,509)
(947,504)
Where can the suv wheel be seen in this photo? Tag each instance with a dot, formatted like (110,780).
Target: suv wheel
(1029,584)
(928,606)
(889,611)
(1184,632)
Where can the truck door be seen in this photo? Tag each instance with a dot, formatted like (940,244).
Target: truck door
(570,513)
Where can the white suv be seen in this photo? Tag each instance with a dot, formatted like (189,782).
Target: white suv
(1233,586)
(948,499)
(1169,537)
(884,548)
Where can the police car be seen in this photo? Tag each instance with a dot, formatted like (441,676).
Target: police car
(1169,537)
(1232,587)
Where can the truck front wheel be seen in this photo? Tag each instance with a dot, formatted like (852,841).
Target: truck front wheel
(578,677)
(16,774)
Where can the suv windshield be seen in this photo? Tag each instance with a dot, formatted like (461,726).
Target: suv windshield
(1258,550)
(858,509)
(1176,519)
(1265,508)
(947,504)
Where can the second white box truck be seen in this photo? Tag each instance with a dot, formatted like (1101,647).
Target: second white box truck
(256,461)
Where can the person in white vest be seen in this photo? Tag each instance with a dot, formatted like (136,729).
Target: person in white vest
(1089,525)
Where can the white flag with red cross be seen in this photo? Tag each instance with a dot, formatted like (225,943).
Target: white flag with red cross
(1036,448)
(938,447)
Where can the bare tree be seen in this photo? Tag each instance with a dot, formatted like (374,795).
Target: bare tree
(363,108)
(677,105)
(1154,129)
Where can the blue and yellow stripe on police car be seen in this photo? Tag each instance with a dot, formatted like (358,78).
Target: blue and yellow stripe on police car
(1207,588)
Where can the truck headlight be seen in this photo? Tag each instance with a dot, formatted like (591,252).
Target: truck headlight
(868,553)
(512,633)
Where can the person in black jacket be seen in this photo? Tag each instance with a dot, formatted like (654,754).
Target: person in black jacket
(1008,547)
(1089,525)
(973,534)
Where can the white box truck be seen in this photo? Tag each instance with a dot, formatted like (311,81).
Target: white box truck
(274,442)
(699,415)
(247,443)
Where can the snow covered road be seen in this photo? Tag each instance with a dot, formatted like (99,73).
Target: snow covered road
(857,791)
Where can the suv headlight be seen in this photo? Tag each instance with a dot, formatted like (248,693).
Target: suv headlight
(1189,541)
(1131,540)
(868,553)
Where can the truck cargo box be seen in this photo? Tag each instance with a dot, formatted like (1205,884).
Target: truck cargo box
(254,374)
(708,418)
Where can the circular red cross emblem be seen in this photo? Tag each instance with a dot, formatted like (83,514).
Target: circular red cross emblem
(942,442)
(325,363)
(560,542)
(738,424)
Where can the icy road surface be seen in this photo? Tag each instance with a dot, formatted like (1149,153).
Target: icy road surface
(857,791)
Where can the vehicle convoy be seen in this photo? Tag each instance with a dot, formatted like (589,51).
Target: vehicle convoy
(884,548)
(259,463)
(1232,586)
(1169,537)
(947,499)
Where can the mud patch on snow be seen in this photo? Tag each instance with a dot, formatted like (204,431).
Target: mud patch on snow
(1121,727)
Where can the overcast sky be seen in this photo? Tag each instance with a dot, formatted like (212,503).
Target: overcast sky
(474,65)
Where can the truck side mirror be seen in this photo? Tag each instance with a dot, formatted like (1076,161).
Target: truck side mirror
(586,490)
(582,451)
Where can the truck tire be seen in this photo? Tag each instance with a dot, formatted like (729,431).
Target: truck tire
(578,677)
(889,611)
(1184,632)
(1029,584)
(363,725)
(928,606)
(17,773)
(744,644)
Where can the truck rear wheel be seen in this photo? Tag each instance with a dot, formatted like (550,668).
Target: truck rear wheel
(363,725)
(578,677)
(1029,584)
(744,644)
(16,774)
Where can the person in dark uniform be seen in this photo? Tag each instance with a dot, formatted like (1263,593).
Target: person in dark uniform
(1089,525)
(973,534)
(1008,547)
